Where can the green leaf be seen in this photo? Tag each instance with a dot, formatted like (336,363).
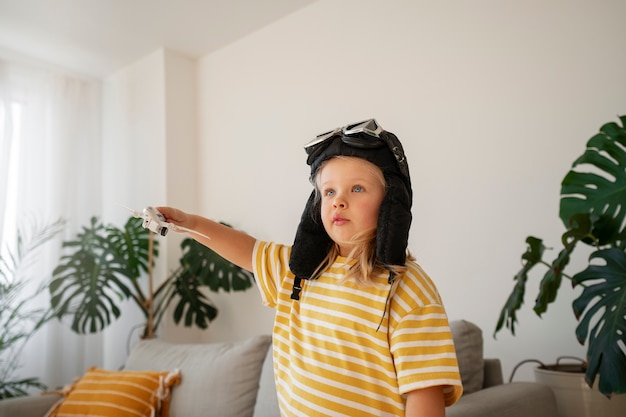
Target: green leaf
(602,307)
(551,282)
(580,228)
(93,277)
(192,304)
(211,269)
(597,183)
(530,258)
(131,244)
(19,387)
(202,267)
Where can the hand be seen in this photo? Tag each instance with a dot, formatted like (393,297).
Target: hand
(175,216)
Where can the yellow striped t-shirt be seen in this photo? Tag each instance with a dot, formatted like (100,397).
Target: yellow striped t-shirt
(333,355)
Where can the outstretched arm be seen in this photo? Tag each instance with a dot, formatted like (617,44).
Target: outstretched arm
(231,244)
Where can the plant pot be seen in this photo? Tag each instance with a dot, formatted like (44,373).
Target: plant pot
(574,397)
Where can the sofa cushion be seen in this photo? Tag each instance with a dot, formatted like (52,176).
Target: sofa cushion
(29,406)
(118,394)
(218,379)
(468,342)
(517,399)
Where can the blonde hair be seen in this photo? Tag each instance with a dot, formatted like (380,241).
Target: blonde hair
(364,243)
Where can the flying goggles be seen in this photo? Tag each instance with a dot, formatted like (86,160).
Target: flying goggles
(363,135)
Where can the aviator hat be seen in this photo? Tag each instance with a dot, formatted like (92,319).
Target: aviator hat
(369,141)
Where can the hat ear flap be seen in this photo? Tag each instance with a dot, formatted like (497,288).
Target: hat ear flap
(311,244)
(394,222)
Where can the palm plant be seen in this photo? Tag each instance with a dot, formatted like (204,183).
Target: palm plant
(593,210)
(104,265)
(18,320)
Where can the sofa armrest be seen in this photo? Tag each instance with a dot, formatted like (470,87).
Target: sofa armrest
(517,399)
(492,373)
(31,406)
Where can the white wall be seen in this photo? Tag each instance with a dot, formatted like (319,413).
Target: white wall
(149,132)
(493,101)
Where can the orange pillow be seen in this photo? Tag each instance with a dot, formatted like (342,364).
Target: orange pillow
(118,394)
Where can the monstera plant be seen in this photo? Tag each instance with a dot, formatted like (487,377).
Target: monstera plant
(593,211)
(106,265)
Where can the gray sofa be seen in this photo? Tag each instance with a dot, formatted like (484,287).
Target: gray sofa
(236,379)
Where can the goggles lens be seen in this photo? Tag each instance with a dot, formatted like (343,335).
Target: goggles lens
(360,135)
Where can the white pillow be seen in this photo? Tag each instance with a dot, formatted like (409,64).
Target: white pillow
(217,379)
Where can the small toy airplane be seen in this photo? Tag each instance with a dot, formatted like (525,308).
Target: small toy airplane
(154,221)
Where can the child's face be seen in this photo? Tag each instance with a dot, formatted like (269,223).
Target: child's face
(351,192)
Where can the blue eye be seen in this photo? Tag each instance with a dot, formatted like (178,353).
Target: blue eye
(358,189)
(329,193)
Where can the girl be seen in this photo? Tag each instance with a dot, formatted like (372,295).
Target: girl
(360,330)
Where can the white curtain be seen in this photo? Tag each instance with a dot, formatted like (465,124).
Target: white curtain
(49,169)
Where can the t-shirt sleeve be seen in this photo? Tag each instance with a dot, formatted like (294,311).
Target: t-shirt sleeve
(270,264)
(421,340)
(424,353)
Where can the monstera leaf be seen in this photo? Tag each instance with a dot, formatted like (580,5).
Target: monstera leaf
(200,266)
(132,245)
(193,304)
(602,306)
(597,184)
(212,270)
(593,210)
(98,273)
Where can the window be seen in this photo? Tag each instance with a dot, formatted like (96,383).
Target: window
(9,150)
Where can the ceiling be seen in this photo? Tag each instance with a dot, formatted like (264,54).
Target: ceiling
(98,37)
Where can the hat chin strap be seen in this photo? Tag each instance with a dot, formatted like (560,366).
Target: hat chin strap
(297,288)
